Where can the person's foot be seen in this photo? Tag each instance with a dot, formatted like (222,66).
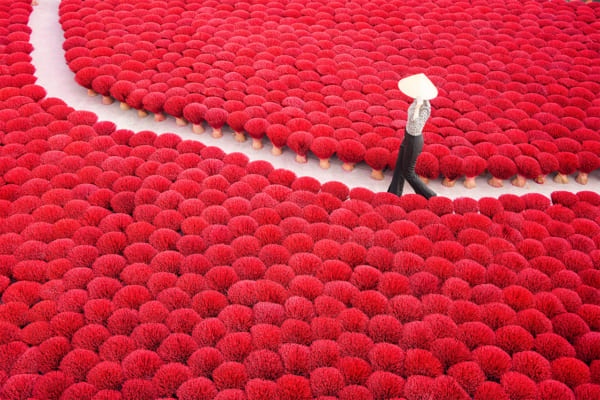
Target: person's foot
(427,193)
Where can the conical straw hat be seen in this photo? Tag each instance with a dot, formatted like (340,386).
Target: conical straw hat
(418,85)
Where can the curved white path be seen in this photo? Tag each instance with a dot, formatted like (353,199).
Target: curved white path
(54,75)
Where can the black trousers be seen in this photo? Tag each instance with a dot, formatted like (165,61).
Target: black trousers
(410,149)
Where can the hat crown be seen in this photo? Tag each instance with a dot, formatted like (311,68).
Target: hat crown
(418,85)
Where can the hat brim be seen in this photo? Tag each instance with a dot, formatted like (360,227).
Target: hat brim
(418,85)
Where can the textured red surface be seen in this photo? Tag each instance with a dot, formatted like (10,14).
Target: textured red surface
(138,266)
(508,73)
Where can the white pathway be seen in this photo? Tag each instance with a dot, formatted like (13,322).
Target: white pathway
(54,75)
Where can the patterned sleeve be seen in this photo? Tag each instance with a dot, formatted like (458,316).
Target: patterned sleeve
(415,126)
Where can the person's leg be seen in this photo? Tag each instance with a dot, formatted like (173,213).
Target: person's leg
(397,184)
(414,148)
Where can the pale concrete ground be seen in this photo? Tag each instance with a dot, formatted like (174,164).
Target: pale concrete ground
(54,75)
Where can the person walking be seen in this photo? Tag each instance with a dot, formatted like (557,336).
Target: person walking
(421,89)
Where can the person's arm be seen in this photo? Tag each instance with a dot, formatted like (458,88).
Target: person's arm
(419,103)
